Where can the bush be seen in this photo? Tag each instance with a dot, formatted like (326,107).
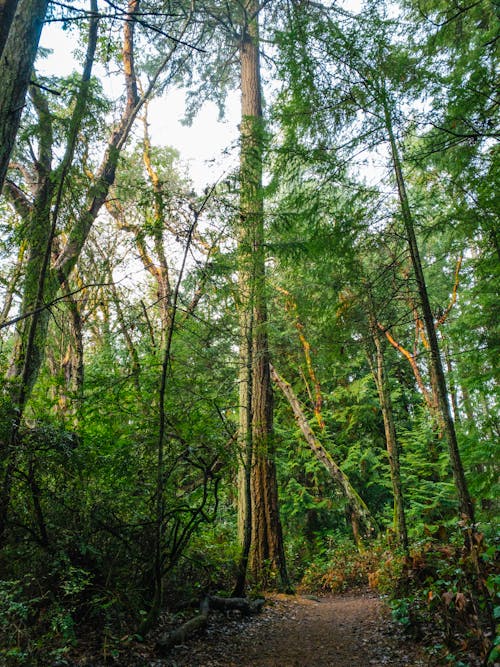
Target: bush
(448,595)
(341,567)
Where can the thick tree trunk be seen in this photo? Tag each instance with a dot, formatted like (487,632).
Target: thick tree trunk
(16,64)
(464,499)
(266,556)
(245,423)
(7,11)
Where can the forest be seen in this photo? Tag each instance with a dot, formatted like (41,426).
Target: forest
(283,383)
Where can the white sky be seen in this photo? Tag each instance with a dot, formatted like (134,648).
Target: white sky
(207,147)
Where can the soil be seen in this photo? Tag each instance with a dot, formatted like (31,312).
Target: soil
(352,630)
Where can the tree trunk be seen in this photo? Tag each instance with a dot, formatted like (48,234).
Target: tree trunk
(267,556)
(464,499)
(245,423)
(451,379)
(16,64)
(384,395)
(7,11)
(358,511)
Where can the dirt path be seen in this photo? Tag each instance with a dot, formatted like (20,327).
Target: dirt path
(294,631)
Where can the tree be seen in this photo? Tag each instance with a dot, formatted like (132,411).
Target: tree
(38,284)
(21,25)
(45,273)
(236,61)
(365,71)
(465,502)
(265,543)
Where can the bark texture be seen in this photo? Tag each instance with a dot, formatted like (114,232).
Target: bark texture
(258,477)
(7,11)
(16,63)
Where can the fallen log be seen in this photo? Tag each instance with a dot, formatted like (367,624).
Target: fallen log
(360,512)
(243,605)
(199,622)
(178,636)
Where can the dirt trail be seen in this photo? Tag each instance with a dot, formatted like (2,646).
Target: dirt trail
(295,631)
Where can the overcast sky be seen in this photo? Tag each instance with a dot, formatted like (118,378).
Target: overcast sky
(207,147)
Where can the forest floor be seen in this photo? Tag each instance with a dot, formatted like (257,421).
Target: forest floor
(350,630)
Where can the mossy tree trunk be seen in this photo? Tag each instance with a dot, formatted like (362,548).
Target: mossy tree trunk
(19,36)
(386,407)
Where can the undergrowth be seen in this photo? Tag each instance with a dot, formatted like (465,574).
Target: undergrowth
(443,594)
(341,567)
(447,596)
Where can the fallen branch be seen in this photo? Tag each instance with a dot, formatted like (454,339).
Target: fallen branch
(359,509)
(178,636)
(199,622)
(243,605)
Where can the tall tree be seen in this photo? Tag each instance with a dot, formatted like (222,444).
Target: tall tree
(50,266)
(21,26)
(266,553)
(436,364)
(236,62)
(370,75)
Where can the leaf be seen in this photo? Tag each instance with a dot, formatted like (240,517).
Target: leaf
(460,601)
(447,598)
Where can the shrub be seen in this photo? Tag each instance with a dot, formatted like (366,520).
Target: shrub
(341,567)
(448,594)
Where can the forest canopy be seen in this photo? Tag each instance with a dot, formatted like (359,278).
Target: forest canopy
(287,379)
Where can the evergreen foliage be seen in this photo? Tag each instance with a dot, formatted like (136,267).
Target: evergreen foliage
(125,296)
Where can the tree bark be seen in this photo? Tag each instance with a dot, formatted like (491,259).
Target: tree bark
(16,63)
(7,11)
(244,422)
(267,556)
